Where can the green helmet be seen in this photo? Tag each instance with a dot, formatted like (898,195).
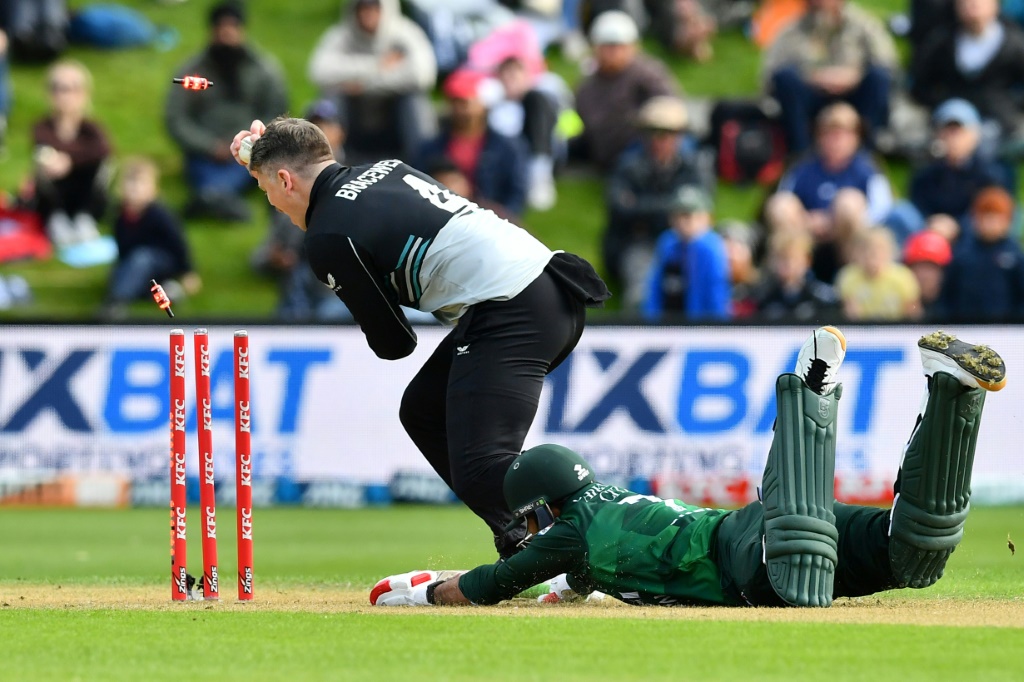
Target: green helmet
(541,475)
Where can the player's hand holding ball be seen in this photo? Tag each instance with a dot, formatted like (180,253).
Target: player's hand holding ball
(241,145)
(404,589)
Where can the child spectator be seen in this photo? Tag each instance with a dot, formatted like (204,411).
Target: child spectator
(740,242)
(444,170)
(791,291)
(150,242)
(834,194)
(985,280)
(927,254)
(874,286)
(690,272)
(70,183)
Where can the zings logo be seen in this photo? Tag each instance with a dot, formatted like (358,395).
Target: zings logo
(214,581)
(181,581)
(246,579)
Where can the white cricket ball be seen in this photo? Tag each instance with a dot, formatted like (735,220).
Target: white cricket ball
(245,150)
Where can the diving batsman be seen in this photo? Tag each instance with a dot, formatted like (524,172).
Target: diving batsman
(795,546)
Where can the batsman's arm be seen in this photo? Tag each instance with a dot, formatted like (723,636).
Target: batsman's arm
(555,550)
(347,269)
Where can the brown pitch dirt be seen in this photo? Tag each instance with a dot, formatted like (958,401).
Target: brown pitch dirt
(919,611)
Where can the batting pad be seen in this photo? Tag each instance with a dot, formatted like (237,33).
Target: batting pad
(799,495)
(935,483)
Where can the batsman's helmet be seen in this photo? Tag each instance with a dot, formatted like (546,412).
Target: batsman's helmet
(542,475)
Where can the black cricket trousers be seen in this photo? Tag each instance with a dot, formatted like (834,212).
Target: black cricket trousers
(470,406)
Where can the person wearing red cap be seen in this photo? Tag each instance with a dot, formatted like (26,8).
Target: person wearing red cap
(927,254)
(985,280)
(495,164)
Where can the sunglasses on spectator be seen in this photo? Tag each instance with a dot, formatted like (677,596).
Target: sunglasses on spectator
(58,86)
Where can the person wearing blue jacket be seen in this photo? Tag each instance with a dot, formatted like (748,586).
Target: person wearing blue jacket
(690,272)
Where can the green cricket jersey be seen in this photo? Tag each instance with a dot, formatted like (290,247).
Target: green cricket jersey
(638,548)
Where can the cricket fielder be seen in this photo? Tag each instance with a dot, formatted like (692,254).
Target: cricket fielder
(385,235)
(797,546)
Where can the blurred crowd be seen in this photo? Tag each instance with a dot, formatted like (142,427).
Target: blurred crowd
(461,89)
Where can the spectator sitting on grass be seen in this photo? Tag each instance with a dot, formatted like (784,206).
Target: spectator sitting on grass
(834,194)
(71,150)
(980,60)
(529,108)
(685,27)
(874,286)
(927,254)
(609,99)
(941,193)
(380,67)
(790,290)
(836,51)
(642,190)
(494,163)
(985,280)
(689,276)
(150,242)
(248,85)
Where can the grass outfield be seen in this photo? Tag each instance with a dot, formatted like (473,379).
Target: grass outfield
(84,594)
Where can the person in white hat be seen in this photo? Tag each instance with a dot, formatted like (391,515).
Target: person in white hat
(608,99)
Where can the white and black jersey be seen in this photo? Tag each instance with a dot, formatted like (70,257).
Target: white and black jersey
(383,235)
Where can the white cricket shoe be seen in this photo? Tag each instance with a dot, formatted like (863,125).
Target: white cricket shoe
(819,359)
(973,366)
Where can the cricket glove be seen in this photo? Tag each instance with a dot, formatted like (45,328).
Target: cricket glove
(404,589)
(559,592)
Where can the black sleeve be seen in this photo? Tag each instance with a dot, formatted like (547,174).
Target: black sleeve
(341,264)
(925,83)
(556,550)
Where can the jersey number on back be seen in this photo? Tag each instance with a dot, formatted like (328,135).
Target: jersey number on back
(438,196)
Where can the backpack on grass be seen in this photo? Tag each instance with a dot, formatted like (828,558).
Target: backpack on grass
(749,145)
